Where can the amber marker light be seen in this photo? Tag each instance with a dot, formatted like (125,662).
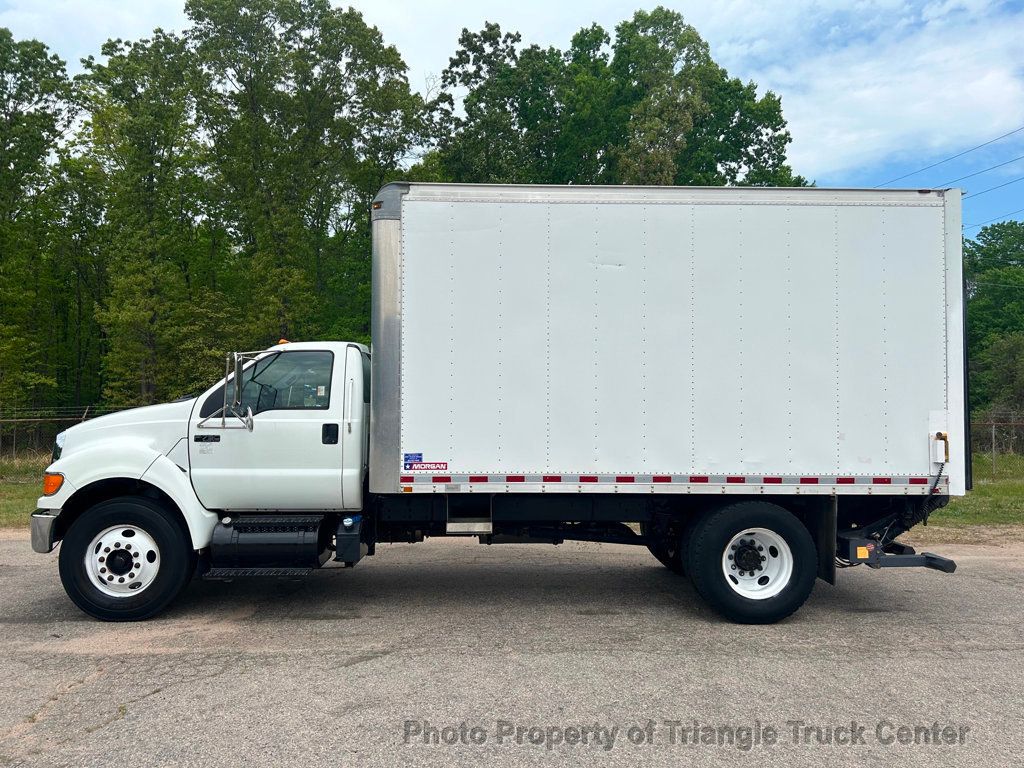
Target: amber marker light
(52,481)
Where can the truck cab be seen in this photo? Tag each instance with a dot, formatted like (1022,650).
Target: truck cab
(291,438)
(305,444)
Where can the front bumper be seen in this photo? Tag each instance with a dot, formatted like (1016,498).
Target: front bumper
(43,523)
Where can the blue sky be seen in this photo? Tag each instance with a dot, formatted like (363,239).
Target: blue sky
(872,89)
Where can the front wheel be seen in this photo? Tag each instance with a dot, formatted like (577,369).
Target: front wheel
(753,562)
(125,559)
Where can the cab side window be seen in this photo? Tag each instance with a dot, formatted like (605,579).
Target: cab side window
(299,380)
(289,381)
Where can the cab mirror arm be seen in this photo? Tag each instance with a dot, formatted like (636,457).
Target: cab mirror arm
(236,361)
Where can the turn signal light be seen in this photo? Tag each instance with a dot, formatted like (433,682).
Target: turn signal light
(52,482)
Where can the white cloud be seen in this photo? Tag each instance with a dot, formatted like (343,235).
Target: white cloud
(77,28)
(931,89)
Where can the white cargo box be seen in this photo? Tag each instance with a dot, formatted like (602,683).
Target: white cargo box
(676,340)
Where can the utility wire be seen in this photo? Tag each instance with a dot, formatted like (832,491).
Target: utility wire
(997,186)
(1002,285)
(978,173)
(996,218)
(954,157)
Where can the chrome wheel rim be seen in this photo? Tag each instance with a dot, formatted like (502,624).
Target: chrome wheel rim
(122,561)
(757,563)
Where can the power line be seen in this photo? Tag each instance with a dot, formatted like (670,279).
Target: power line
(997,186)
(954,157)
(996,218)
(978,173)
(1001,285)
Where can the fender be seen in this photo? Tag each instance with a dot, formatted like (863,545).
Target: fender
(132,460)
(102,460)
(174,481)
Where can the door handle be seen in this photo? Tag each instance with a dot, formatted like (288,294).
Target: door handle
(329,434)
(349,405)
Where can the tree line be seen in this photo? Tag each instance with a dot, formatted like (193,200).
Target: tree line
(994,285)
(195,192)
(190,193)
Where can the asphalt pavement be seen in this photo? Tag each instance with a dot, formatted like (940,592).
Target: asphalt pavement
(452,653)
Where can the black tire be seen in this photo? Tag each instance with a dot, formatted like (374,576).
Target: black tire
(711,536)
(668,551)
(177,559)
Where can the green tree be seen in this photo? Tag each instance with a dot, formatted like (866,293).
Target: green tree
(162,314)
(34,112)
(999,373)
(652,107)
(309,113)
(994,276)
(72,263)
(997,245)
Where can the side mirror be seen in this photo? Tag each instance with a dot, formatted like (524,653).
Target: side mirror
(238,382)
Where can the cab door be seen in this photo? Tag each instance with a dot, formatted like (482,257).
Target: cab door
(292,457)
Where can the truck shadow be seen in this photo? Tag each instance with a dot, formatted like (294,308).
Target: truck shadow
(506,589)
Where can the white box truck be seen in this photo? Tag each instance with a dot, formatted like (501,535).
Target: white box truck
(759,385)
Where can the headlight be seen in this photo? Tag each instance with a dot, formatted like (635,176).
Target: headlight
(58,446)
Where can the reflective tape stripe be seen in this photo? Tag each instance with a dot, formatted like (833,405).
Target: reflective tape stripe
(608,479)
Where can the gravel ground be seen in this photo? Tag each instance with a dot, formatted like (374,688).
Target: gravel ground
(357,668)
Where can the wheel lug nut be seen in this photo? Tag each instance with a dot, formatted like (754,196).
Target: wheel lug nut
(106,549)
(733,547)
(760,549)
(103,570)
(127,546)
(110,578)
(762,558)
(734,568)
(117,544)
(136,554)
(121,580)
(730,557)
(102,558)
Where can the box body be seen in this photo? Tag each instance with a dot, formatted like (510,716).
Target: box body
(666,340)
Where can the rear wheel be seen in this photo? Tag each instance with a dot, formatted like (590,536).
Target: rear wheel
(125,559)
(753,562)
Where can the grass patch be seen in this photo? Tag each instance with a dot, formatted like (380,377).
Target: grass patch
(21,482)
(17,502)
(27,467)
(996,499)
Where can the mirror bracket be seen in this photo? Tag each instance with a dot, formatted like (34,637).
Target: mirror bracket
(237,361)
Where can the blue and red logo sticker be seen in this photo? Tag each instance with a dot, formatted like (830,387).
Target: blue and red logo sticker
(414,461)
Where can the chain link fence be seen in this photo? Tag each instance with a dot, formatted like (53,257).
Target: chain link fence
(997,442)
(28,433)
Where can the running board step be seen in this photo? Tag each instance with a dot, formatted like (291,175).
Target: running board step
(231,573)
(469,526)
